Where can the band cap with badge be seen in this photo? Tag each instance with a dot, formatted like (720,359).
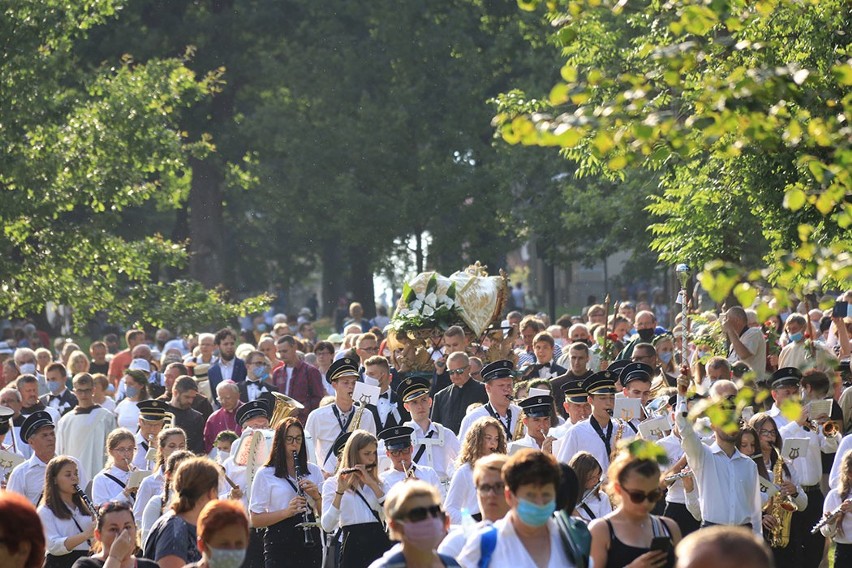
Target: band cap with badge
(503,369)
(540,406)
(397,438)
(8,460)
(343,367)
(574,392)
(636,372)
(153,410)
(785,377)
(35,422)
(617,366)
(602,382)
(251,410)
(413,388)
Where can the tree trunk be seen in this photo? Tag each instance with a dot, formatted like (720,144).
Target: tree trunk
(332,277)
(418,250)
(206,224)
(361,278)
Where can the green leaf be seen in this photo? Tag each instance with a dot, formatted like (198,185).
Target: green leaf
(794,199)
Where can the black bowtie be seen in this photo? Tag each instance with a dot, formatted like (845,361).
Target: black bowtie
(385,395)
(55,397)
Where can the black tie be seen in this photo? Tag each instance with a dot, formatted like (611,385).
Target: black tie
(385,396)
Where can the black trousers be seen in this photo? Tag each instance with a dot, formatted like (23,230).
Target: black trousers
(811,545)
(284,546)
(680,515)
(65,560)
(254,554)
(842,555)
(362,544)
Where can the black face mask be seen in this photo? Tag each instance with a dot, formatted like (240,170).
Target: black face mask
(646,335)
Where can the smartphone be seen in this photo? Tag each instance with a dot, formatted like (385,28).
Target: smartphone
(841,310)
(662,543)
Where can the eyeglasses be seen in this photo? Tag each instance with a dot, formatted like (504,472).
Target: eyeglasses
(767,432)
(639,496)
(496,489)
(418,514)
(258,364)
(84,391)
(402,452)
(125,449)
(293,439)
(458,371)
(369,349)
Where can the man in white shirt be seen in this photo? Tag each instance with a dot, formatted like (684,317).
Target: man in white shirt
(434,445)
(599,434)
(784,384)
(498,377)
(83,431)
(747,343)
(728,488)
(797,354)
(536,418)
(327,423)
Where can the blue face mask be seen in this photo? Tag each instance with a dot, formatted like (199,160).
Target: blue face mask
(666,357)
(261,373)
(131,392)
(223,558)
(54,387)
(798,336)
(110,389)
(535,515)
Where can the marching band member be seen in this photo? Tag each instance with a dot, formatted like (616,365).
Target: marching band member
(250,416)
(169,441)
(681,498)
(490,496)
(285,493)
(6,428)
(326,423)
(837,523)
(435,445)
(770,447)
(625,536)
(728,490)
(173,539)
(399,449)
(593,503)
(28,478)
(598,435)
(68,523)
(498,378)
(152,419)
(636,383)
(485,437)
(352,500)
(111,484)
(576,406)
(537,412)
(809,466)
(158,505)
(784,384)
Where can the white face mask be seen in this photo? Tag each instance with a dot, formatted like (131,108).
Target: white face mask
(28,369)
(226,558)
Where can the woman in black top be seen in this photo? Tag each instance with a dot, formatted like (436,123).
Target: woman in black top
(116,531)
(623,538)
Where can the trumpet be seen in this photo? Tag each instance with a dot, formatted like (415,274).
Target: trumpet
(409,471)
(830,517)
(827,428)
(680,475)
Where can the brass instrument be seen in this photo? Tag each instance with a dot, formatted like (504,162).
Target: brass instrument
(827,428)
(830,518)
(285,407)
(306,523)
(781,508)
(519,430)
(91,506)
(356,420)
(409,471)
(619,432)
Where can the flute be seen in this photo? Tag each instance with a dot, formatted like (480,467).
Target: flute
(830,517)
(680,475)
(588,494)
(354,469)
(87,501)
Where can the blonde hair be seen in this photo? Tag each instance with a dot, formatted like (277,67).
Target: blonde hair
(401,494)
(471,449)
(359,440)
(78,357)
(494,462)
(116,437)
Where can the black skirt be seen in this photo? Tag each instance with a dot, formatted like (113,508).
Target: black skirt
(64,561)
(362,544)
(284,545)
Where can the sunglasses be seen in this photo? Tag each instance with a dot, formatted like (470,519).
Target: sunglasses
(639,496)
(418,514)
(457,371)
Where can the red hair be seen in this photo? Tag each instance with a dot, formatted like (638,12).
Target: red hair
(219,514)
(19,523)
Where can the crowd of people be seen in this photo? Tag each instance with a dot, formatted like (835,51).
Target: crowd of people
(603,439)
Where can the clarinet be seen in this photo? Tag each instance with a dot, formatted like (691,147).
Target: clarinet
(87,501)
(306,519)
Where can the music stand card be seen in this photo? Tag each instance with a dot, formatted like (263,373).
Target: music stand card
(627,408)
(748,412)
(370,392)
(151,454)
(539,392)
(767,487)
(136,477)
(10,461)
(794,448)
(654,429)
(819,408)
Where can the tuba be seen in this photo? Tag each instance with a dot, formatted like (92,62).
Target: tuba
(781,508)
(285,407)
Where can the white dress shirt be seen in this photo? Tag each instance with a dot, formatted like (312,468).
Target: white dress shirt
(105,489)
(442,448)
(128,414)
(28,478)
(153,510)
(599,505)
(510,551)
(728,489)
(270,493)
(780,419)
(323,427)
(453,543)
(834,475)
(422,472)
(461,494)
(583,437)
(57,530)
(809,466)
(227,368)
(140,460)
(833,501)
(353,510)
(482,411)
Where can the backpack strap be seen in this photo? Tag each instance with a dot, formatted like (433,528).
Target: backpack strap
(576,539)
(487,545)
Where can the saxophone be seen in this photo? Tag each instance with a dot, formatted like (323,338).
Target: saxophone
(618,433)
(356,420)
(781,508)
